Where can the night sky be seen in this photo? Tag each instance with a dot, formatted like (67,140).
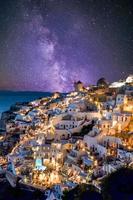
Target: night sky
(46,45)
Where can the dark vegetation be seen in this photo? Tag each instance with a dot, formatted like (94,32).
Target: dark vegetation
(118,185)
(83,192)
(9,193)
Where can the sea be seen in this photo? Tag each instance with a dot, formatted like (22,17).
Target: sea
(8,98)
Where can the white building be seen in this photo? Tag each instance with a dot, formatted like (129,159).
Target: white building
(129,79)
(121,99)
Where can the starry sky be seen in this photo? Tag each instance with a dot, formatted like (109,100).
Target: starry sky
(46,45)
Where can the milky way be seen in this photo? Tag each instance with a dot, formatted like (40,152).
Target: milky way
(46,45)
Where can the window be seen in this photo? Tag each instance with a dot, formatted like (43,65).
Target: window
(63,135)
